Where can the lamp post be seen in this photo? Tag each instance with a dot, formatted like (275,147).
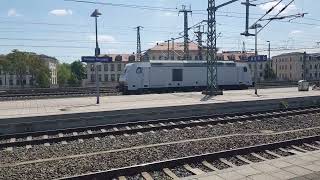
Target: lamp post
(96,14)
(255,27)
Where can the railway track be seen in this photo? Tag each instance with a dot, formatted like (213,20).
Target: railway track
(199,164)
(53,93)
(112,152)
(64,135)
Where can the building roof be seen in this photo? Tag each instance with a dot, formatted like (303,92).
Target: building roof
(178,46)
(124,57)
(225,55)
(48,58)
(234,55)
(289,54)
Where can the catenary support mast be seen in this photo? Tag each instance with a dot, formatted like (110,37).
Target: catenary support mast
(185,12)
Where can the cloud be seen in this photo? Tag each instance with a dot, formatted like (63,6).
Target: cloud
(61,12)
(103,38)
(294,32)
(267,6)
(169,14)
(13,13)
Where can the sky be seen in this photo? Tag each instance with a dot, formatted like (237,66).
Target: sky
(65,30)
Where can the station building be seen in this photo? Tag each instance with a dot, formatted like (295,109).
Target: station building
(296,66)
(108,73)
(8,81)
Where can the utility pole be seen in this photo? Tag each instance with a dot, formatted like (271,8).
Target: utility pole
(269,59)
(199,34)
(247,4)
(172,48)
(168,50)
(305,66)
(256,26)
(186,28)
(243,47)
(138,43)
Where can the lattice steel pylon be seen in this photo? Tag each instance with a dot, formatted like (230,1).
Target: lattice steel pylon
(138,43)
(185,12)
(199,34)
(212,74)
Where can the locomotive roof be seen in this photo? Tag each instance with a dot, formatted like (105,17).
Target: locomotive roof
(189,63)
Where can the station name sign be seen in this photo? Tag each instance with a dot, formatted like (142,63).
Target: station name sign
(93,59)
(258,58)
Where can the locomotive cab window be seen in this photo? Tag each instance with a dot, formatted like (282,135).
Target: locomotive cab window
(177,75)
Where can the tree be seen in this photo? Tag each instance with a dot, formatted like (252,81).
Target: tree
(64,74)
(269,73)
(5,68)
(73,81)
(78,69)
(18,62)
(43,79)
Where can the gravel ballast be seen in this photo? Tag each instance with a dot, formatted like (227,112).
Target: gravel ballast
(63,168)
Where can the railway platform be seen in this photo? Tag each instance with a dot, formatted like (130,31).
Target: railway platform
(303,166)
(45,107)
(49,114)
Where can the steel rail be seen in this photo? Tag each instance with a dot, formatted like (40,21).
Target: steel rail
(154,166)
(237,117)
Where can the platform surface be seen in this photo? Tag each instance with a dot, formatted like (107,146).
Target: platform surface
(43,107)
(304,166)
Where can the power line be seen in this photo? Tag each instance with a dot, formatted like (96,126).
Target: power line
(127,5)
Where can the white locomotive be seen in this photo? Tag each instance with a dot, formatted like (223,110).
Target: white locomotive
(181,75)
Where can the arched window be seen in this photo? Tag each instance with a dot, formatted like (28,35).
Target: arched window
(118,58)
(132,58)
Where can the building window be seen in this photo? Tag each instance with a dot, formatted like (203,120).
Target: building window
(290,67)
(153,57)
(315,75)
(310,75)
(100,77)
(172,57)
(92,67)
(118,77)
(106,77)
(92,78)
(119,67)
(0,81)
(118,58)
(260,66)
(113,78)
(99,67)
(17,82)
(112,67)
(316,66)
(310,66)
(10,82)
(261,74)
(250,66)
(196,58)
(106,67)
(25,82)
(285,67)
